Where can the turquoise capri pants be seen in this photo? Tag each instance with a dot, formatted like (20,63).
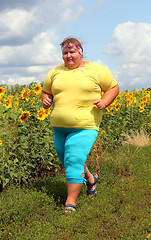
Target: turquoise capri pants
(73,146)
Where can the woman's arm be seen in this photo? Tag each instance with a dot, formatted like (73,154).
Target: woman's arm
(108,98)
(47,99)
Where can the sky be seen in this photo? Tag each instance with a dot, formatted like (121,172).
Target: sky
(114,33)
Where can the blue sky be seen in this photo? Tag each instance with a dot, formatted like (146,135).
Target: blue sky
(115,33)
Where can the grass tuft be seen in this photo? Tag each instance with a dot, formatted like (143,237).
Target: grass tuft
(138,139)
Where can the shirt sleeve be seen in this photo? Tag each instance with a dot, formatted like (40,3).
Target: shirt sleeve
(106,81)
(48,82)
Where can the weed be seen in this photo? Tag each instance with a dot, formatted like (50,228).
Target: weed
(138,139)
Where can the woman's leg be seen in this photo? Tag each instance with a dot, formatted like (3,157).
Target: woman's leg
(72,150)
(77,147)
(59,142)
(73,191)
(88,177)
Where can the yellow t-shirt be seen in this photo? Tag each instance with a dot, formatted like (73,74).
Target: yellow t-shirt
(74,92)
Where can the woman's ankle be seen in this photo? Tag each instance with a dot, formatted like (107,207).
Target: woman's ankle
(71,201)
(90,180)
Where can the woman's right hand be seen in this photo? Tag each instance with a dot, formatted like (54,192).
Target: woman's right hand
(46,103)
(47,99)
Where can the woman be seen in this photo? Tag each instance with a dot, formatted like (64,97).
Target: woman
(75,89)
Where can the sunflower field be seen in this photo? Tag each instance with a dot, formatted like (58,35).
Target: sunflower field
(26,137)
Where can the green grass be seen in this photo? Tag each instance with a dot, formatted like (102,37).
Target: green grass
(120,211)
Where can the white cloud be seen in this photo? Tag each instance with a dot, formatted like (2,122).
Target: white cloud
(14,26)
(20,23)
(30,62)
(12,4)
(40,51)
(99,61)
(69,14)
(37,69)
(21,80)
(130,47)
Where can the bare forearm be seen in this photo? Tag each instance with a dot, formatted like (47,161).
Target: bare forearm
(110,95)
(108,98)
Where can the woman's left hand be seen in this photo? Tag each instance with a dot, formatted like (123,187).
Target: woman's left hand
(107,98)
(100,104)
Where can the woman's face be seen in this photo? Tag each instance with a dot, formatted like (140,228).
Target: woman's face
(72,58)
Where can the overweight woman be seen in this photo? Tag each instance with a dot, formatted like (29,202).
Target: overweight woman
(75,89)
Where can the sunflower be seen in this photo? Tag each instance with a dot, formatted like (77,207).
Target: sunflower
(103,132)
(143,90)
(24,94)
(128,102)
(41,114)
(8,103)
(141,106)
(10,96)
(134,100)
(2,91)
(114,102)
(135,91)
(117,106)
(47,111)
(25,115)
(37,89)
(16,101)
(0,142)
(146,98)
(119,95)
(109,108)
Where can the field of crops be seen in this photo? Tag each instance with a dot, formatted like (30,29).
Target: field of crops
(26,138)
